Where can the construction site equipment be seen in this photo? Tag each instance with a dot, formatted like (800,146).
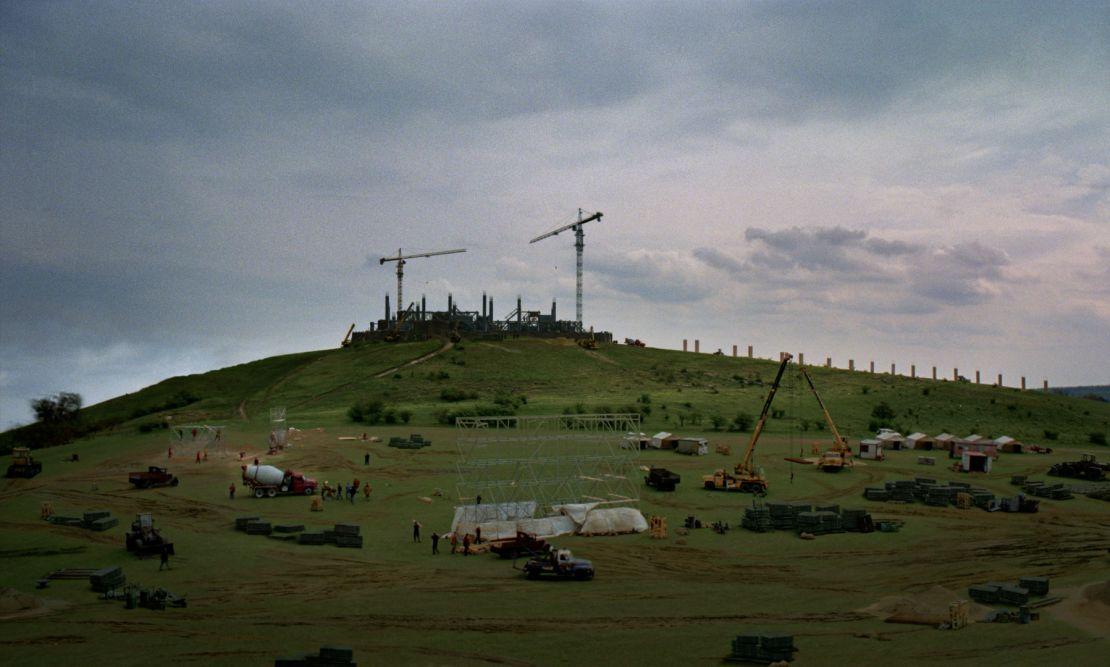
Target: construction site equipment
(745,477)
(144,539)
(23,464)
(579,244)
(662,479)
(559,563)
(347,339)
(839,456)
(1087,467)
(635,342)
(762,648)
(151,477)
(415,441)
(523,544)
(400,259)
(266,481)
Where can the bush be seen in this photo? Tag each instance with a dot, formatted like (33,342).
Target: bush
(454,395)
(1051,435)
(368,411)
(1096,438)
(882,411)
(741,422)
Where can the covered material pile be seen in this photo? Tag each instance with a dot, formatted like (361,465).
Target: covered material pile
(766,648)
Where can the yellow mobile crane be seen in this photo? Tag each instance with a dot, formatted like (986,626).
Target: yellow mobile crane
(745,477)
(839,456)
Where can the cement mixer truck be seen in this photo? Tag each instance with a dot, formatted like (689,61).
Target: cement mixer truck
(267,481)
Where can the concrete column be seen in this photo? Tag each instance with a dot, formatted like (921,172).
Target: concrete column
(934,372)
(733,350)
(976,377)
(802,358)
(851,364)
(749,351)
(828,362)
(1023,383)
(1000,379)
(913,370)
(697,346)
(872,366)
(955,374)
(892,369)
(684,345)
(1046,385)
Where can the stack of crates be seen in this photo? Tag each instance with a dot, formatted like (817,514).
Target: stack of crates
(105,579)
(757,519)
(328,655)
(876,493)
(99,521)
(762,648)
(819,523)
(784,515)
(856,520)
(242,521)
(258,527)
(1035,585)
(347,535)
(314,538)
(1013,595)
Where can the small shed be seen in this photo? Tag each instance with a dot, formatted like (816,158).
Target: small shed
(692,446)
(975,462)
(944,441)
(891,439)
(635,441)
(920,441)
(871,449)
(974,443)
(1007,444)
(662,440)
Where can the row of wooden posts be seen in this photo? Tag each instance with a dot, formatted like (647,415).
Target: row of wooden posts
(852,364)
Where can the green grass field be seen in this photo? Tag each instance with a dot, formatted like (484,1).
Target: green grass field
(680,600)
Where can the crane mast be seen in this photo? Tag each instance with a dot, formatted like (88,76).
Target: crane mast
(746,464)
(579,245)
(400,259)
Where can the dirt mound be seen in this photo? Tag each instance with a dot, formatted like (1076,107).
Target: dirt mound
(1087,608)
(12,601)
(928,604)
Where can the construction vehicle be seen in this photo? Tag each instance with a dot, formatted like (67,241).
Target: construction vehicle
(144,539)
(1087,467)
(839,456)
(745,477)
(23,464)
(267,481)
(151,477)
(524,544)
(662,479)
(347,339)
(559,563)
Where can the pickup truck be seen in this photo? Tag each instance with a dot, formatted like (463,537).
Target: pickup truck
(153,476)
(559,563)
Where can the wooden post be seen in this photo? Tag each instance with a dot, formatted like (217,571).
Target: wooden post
(1000,379)
(955,374)
(934,372)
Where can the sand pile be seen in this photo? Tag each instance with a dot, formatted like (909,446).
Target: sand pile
(14,602)
(931,604)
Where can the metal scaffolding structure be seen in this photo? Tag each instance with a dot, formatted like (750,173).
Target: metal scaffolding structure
(549,460)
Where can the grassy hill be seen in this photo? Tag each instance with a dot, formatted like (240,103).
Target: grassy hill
(679,600)
(673,390)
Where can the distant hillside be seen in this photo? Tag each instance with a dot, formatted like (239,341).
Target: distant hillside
(1101,392)
(672,390)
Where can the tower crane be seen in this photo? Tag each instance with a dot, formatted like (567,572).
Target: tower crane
(400,259)
(579,243)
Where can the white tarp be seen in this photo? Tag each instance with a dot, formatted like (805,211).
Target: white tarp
(613,521)
(576,511)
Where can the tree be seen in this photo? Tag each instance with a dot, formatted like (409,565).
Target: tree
(58,409)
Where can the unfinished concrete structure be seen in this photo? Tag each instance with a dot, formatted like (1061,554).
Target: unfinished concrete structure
(416,322)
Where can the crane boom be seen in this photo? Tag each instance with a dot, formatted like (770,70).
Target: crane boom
(841,444)
(595,216)
(400,259)
(746,464)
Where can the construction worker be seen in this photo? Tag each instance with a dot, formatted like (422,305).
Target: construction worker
(165,564)
(454,542)
(366,491)
(466,544)
(415,530)
(231,491)
(435,544)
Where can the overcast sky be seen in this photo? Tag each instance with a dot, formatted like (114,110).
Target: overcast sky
(185,186)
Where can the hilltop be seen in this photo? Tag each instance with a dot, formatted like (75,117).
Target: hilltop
(426,383)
